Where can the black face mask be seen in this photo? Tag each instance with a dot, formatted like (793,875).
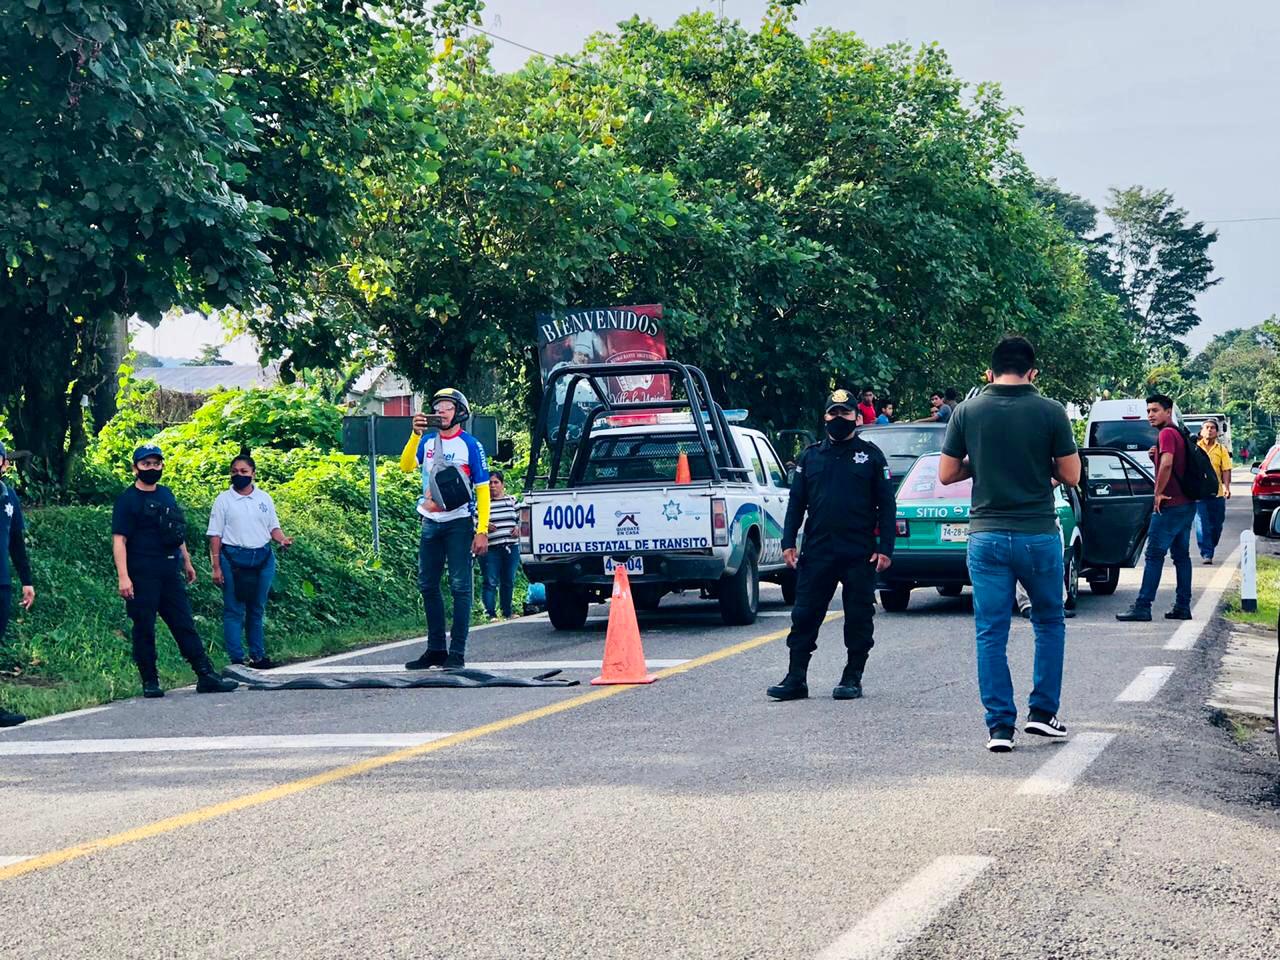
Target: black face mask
(241,482)
(840,429)
(150,475)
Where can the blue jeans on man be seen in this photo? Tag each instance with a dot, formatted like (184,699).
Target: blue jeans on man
(1170,532)
(1211,514)
(500,566)
(241,618)
(442,543)
(998,561)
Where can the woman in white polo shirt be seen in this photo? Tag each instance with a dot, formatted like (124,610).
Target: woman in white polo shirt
(242,527)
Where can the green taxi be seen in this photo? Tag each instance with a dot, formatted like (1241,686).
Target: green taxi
(933,536)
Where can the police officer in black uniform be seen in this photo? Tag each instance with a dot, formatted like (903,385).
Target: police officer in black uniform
(149,546)
(843,485)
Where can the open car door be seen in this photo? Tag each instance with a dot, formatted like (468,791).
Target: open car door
(1117,495)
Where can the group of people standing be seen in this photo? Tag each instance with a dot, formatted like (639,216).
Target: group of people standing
(1016,446)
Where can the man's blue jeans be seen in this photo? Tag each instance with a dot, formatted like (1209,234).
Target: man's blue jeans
(1211,514)
(1170,533)
(449,542)
(997,562)
(500,566)
(245,618)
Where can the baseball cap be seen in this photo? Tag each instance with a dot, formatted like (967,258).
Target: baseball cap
(839,399)
(147,450)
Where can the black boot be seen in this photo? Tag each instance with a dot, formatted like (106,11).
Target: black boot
(152,690)
(793,685)
(850,685)
(210,682)
(1135,614)
(8,719)
(430,658)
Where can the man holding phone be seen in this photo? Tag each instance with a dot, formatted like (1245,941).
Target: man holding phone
(455,515)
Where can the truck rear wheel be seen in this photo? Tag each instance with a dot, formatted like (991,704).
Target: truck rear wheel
(566,606)
(740,593)
(1105,588)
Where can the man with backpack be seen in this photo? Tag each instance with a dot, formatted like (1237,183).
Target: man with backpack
(1184,476)
(454,530)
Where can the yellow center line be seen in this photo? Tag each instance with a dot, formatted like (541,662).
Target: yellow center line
(213,811)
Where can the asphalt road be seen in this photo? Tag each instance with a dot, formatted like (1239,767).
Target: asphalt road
(689,818)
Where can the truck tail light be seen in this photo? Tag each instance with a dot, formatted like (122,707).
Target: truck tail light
(903,529)
(526,528)
(719,523)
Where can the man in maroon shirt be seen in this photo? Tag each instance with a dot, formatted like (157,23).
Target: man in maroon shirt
(1174,513)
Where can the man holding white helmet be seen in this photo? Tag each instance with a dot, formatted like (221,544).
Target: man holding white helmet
(455,515)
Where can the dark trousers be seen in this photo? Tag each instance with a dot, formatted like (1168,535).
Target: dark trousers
(5,594)
(1211,514)
(819,573)
(160,590)
(441,543)
(500,566)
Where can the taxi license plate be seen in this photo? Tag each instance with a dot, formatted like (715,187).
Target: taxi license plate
(635,565)
(955,532)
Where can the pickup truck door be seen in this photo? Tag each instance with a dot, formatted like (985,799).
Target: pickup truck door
(775,497)
(1117,495)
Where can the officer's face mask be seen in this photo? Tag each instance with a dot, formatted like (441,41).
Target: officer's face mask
(150,475)
(241,482)
(838,428)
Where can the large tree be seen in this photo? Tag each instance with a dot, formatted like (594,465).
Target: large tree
(1162,261)
(207,153)
(809,212)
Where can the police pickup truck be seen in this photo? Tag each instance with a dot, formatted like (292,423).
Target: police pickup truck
(678,491)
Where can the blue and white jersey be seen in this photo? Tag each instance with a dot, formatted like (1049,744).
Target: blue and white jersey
(466,452)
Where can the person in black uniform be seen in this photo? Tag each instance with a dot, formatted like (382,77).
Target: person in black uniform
(843,485)
(148,543)
(13,544)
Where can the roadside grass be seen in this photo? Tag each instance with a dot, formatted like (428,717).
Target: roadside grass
(1268,596)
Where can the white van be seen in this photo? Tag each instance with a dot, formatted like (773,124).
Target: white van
(1194,421)
(1122,425)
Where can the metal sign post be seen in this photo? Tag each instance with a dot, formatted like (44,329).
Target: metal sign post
(373,481)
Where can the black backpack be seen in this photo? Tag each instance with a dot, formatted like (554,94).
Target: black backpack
(1200,482)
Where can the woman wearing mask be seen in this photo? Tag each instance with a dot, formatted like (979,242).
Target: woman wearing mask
(242,526)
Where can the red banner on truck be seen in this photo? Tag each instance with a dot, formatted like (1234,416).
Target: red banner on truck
(602,335)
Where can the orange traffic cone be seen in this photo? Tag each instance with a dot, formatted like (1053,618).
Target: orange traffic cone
(682,469)
(623,653)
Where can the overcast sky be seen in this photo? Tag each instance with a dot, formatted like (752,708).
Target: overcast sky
(1180,94)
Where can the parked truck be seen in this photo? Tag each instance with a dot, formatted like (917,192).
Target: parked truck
(686,496)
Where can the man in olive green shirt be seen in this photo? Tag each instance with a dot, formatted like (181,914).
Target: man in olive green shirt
(1014,443)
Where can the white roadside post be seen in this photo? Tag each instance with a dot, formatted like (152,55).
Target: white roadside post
(1248,572)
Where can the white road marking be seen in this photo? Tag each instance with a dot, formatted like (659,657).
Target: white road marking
(70,714)
(10,861)
(309,741)
(1188,632)
(774,613)
(495,666)
(1057,774)
(888,929)
(1145,685)
(412,641)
